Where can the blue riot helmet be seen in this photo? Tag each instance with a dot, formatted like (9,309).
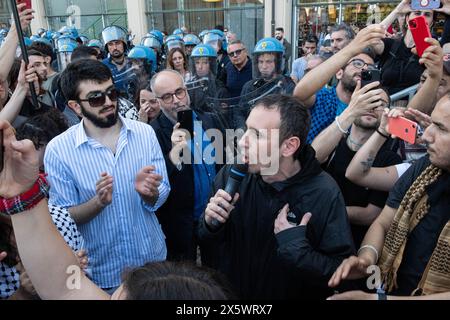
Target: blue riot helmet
(41,32)
(69,31)
(34,37)
(178,32)
(84,40)
(28,41)
(173,42)
(114,33)
(216,39)
(268,59)
(65,45)
(44,40)
(201,35)
(190,41)
(146,55)
(96,44)
(48,35)
(158,34)
(3,33)
(151,41)
(203,61)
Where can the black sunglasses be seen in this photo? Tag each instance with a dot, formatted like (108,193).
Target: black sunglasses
(98,99)
(236,53)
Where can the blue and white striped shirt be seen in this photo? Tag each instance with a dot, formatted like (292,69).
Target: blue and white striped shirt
(126,233)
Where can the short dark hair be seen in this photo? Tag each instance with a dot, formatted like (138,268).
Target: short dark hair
(280,29)
(43,48)
(79,71)
(295,117)
(170,280)
(34,52)
(83,52)
(349,33)
(311,38)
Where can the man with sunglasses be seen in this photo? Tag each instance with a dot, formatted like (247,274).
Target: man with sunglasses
(191,181)
(109,172)
(239,71)
(347,64)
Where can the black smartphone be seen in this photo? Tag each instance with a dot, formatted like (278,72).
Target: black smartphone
(2,151)
(186,120)
(369,76)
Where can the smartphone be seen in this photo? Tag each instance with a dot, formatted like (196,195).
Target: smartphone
(2,151)
(404,129)
(186,120)
(420,30)
(425,4)
(369,76)
(27,3)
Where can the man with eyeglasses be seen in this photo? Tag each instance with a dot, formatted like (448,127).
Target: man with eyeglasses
(337,145)
(328,103)
(239,71)
(191,181)
(109,172)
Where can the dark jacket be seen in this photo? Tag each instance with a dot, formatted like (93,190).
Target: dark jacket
(296,263)
(177,214)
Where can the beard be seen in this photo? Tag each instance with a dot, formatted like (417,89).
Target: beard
(104,123)
(348,82)
(359,122)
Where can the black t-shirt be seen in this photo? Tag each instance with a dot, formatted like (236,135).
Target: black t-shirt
(355,195)
(423,238)
(400,69)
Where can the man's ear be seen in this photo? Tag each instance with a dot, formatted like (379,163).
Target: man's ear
(75,106)
(339,74)
(290,147)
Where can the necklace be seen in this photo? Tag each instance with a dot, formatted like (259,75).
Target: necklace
(351,143)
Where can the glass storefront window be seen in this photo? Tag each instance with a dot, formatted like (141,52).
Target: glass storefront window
(245,18)
(313,17)
(94,16)
(5,15)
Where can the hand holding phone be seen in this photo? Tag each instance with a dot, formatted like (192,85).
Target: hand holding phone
(404,129)
(369,76)
(186,120)
(27,3)
(420,30)
(425,4)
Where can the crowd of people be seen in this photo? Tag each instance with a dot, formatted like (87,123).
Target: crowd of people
(103,175)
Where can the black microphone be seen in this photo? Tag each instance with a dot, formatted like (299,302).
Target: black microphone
(237,174)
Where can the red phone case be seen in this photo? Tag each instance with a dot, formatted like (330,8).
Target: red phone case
(420,30)
(27,3)
(404,129)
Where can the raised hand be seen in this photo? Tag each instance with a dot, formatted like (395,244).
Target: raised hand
(104,189)
(20,165)
(147,182)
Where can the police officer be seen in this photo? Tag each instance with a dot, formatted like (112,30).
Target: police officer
(144,62)
(65,45)
(153,41)
(204,88)
(190,41)
(216,38)
(268,78)
(115,39)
